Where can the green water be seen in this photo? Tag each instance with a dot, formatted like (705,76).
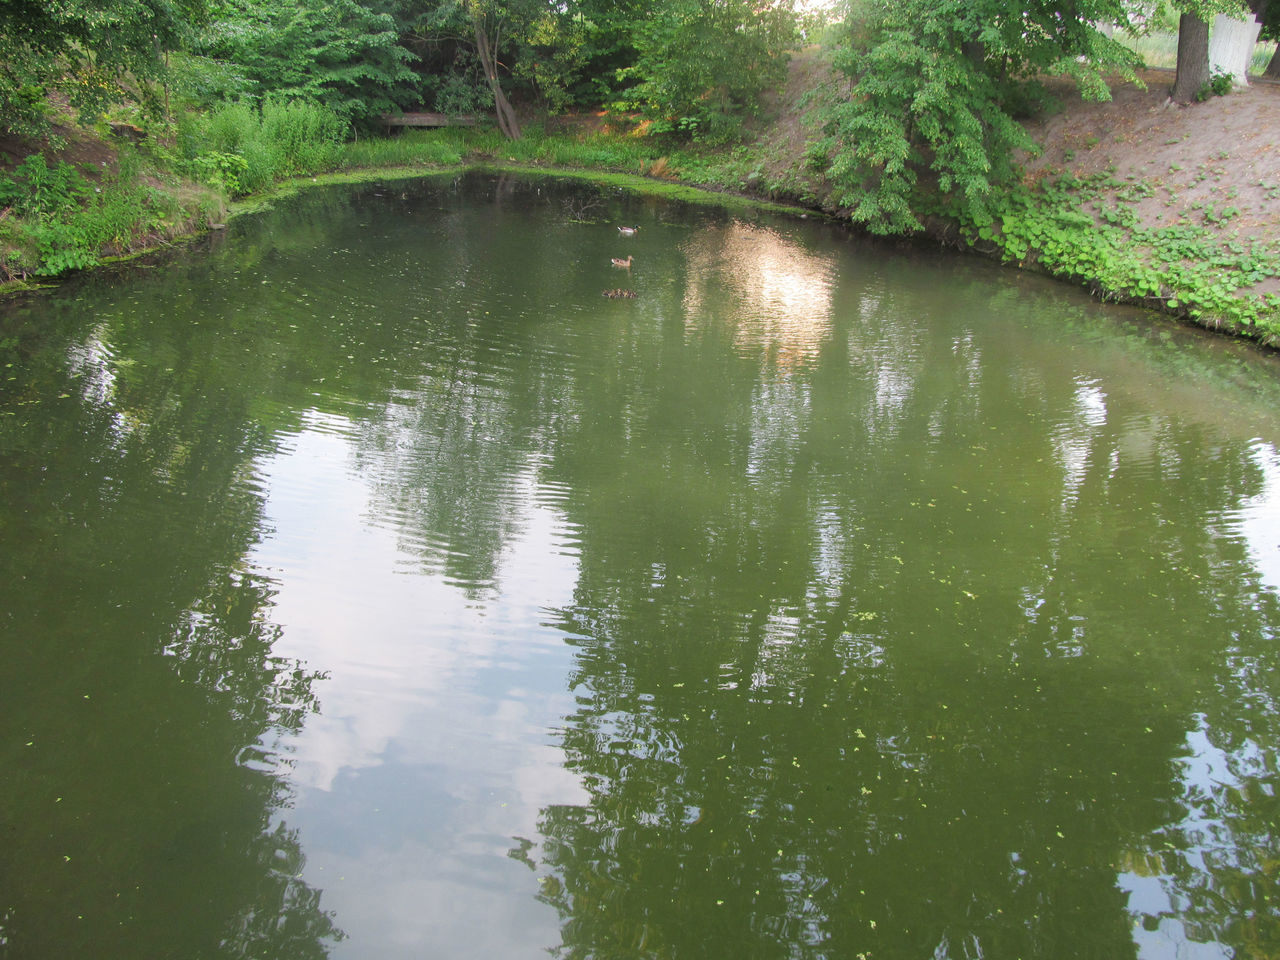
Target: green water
(372,586)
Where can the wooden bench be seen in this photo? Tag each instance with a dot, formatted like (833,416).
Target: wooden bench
(426,120)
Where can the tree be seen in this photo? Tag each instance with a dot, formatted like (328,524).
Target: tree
(1193,58)
(608,47)
(491,28)
(1231,43)
(702,64)
(488,20)
(339,53)
(1269,14)
(936,89)
(1193,71)
(85,48)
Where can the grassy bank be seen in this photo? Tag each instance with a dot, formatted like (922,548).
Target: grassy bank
(1084,229)
(58,217)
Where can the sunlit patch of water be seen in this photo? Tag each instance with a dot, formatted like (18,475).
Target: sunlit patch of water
(782,292)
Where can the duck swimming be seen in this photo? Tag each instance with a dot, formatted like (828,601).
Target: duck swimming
(628,231)
(622,263)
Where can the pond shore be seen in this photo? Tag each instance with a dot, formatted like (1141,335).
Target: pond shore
(1176,209)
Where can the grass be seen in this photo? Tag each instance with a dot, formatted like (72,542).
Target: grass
(245,149)
(1160,50)
(413,148)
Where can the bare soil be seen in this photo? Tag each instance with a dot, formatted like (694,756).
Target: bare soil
(1224,152)
(66,141)
(1213,165)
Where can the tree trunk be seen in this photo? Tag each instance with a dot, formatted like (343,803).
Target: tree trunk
(1261,10)
(507,121)
(975,51)
(1231,47)
(1193,58)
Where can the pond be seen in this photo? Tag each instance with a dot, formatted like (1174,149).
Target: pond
(374,586)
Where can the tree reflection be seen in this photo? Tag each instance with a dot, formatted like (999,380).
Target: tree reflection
(923,713)
(143,810)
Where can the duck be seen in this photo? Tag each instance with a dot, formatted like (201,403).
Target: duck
(620,294)
(622,263)
(628,231)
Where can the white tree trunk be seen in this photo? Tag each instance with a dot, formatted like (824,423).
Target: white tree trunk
(1231,45)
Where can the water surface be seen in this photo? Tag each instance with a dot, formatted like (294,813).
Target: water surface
(375,587)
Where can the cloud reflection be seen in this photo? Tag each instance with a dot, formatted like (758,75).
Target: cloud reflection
(433,747)
(780,293)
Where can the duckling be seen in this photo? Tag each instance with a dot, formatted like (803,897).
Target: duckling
(620,294)
(628,231)
(625,264)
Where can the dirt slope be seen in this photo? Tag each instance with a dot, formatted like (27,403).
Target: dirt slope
(1203,159)
(1224,152)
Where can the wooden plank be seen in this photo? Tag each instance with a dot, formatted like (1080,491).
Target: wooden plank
(426,120)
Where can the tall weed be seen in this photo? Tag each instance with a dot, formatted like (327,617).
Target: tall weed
(56,219)
(37,189)
(280,139)
(412,148)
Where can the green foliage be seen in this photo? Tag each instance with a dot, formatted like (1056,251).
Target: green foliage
(57,219)
(1270,22)
(1219,85)
(35,189)
(23,109)
(702,64)
(339,53)
(1064,228)
(460,90)
(244,148)
(85,49)
(223,170)
(937,88)
(556,46)
(202,81)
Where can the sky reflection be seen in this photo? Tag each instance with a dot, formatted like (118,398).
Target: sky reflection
(434,744)
(781,291)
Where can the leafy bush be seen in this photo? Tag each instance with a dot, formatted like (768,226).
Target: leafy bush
(460,91)
(223,170)
(702,64)
(281,139)
(1219,85)
(936,88)
(36,189)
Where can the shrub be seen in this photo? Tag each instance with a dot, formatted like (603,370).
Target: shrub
(243,148)
(35,188)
